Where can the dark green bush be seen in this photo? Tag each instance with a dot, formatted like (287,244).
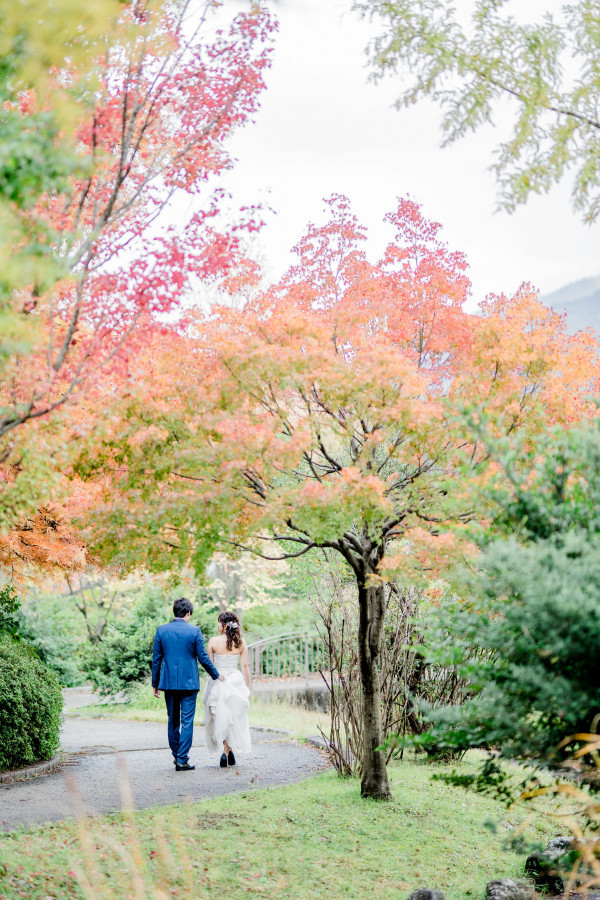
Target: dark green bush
(124,656)
(532,610)
(30,706)
(534,613)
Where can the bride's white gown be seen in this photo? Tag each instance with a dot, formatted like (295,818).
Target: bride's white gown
(226,706)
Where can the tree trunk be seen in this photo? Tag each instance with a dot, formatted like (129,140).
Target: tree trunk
(371,601)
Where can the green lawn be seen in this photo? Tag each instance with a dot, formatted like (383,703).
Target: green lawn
(312,840)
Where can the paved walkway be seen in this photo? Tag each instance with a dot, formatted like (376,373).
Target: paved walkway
(99,751)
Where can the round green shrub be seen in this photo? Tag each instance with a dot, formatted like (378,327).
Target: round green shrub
(30,706)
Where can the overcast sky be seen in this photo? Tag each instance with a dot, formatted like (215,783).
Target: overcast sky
(324,128)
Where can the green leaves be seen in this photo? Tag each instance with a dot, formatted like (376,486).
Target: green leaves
(529,634)
(553,488)
(9,604)
(30,706)
(470,71)
(31,159)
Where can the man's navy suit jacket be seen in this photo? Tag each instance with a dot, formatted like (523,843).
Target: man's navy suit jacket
(178,648)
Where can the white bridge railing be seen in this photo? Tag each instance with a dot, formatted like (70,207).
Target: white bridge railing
(295,654)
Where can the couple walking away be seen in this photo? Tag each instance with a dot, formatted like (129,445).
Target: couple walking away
(178,648)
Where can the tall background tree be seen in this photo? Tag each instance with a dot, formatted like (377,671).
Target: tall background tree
(37,154)
(550,70)
(323,415)
(98,250)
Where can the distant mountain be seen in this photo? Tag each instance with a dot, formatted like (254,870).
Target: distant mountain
(581,302)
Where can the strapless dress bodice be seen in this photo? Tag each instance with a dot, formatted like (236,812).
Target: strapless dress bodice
(226,662)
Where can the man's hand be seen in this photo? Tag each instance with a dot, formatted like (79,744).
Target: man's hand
(221,678)
(156,692)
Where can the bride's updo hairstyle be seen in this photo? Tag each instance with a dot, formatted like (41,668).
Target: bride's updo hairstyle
(233,629)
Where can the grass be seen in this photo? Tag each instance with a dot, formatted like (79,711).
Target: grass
(122,711)
(310,840)
(299,722)
(144,707)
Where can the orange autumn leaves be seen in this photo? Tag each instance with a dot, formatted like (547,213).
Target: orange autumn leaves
(524,360)
(43,543)
(327,411)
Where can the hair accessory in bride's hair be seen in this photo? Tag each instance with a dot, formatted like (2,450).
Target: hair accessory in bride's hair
(231,625)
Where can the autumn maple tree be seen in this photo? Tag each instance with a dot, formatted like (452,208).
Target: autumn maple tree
(103,248)
(325,414)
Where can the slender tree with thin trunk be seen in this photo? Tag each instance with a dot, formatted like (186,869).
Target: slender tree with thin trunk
(323,414)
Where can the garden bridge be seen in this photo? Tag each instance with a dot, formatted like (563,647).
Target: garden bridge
(287,666)
(297,654)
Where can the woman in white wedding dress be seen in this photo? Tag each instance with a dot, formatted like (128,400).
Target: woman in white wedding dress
(226,702)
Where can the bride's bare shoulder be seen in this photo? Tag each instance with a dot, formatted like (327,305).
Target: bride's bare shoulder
(215,640)
(218,642)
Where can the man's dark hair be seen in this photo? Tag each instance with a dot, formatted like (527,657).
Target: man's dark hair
(182,607)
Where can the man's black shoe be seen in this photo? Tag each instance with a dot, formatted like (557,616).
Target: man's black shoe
(223,761)
(184,768)
(231,758)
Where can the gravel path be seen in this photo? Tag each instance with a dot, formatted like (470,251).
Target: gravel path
(99,751)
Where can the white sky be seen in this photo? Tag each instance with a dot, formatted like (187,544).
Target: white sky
(324,128)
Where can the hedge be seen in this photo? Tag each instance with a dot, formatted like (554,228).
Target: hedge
(30,706)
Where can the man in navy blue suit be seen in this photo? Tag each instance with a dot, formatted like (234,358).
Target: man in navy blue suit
(178,648)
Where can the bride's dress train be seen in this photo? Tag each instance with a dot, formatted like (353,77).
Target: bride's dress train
(226,705)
